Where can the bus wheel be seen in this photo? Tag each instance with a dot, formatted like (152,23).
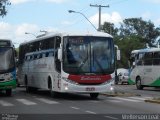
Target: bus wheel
(28,89)
(52,93)
(94,95)
(9,92)
(138,83)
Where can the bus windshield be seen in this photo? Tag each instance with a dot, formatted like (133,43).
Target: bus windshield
(88,55)
(7,59)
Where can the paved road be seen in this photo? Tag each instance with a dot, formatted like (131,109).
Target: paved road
(22,103)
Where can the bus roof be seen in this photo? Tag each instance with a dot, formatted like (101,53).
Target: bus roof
(48,35)
(146,50)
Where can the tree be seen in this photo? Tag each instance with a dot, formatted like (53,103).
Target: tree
(110,28)
(3,4)
(126,45)
(134,33)
(145,29)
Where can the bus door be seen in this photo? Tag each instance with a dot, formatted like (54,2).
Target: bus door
(57,76)
(148,67)
(139,66)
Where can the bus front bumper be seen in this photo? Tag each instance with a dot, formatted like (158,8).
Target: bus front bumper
(71,88)
(8,85)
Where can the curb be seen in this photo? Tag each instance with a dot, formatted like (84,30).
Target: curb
(153,101)
(121,94)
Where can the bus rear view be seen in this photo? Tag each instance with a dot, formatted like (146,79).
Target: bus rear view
(7,67)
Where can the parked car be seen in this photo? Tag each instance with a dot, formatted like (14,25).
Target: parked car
(123,75)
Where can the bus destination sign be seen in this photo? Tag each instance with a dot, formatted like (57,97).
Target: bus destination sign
(4,43)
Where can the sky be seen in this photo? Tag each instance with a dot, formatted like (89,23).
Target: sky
(33,16)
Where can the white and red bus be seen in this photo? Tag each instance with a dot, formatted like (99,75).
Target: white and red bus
(68,62)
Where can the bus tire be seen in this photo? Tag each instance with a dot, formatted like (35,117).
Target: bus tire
(94,95)
(9,92)
(52,93)
(28,89)
(138,83)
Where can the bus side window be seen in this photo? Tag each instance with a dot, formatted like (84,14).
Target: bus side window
(139,59)
(57,62)
(47,54)
(156,58)
(43,55)
(31,57)
(148,58)
(58,42)
(25,58)
(35,56)
(40,55)
(50,54)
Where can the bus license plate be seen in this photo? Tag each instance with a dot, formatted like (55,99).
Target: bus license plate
(90,89)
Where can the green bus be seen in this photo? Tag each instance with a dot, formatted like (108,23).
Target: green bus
(7,67)
(145,70)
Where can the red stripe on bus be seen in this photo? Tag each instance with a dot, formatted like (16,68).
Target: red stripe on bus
(89,78)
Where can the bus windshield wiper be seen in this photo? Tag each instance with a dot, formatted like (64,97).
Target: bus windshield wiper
(99,65)
(82,63)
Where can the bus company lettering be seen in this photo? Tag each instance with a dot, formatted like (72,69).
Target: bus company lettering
(90,78)
(40,65)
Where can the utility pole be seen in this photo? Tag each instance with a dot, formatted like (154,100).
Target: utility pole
(99,6)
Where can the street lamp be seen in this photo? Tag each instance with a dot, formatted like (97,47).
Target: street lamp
(72,11)
(45,32)
(30,34)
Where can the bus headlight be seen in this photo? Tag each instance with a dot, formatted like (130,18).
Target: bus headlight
(66,88)
(111,88)
(8,77)
(69,81)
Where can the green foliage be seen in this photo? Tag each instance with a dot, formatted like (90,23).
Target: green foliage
(134,33)
(145,29)
(126,45)
(17,51)
(3,4)
(110,28)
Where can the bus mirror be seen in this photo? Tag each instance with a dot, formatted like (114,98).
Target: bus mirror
(134,64)
(60,54)
(118,55)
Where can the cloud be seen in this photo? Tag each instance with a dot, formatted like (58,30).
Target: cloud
(57,1)
(4,27)
(6,30)
(19,1)
(16,33)
(15,2)
(66,23)
(146,15)
(153,1)
(21,29)
(105,17)
(157,22)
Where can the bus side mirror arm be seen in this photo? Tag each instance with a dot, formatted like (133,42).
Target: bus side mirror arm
(117,52)
(118,55)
